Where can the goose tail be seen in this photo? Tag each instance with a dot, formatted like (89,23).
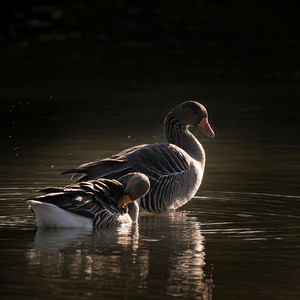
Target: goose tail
(49,215)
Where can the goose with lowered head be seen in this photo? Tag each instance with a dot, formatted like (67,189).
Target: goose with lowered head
(175,169)
(95,203)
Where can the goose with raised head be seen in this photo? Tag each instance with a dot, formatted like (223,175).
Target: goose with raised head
(175,169)
(95,203)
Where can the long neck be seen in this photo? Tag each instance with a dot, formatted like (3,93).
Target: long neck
(133,211)
(180,135)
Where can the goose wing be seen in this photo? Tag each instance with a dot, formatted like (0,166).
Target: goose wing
(154,160)
(86,198)
(113,167)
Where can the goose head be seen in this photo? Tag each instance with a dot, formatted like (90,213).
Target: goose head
(136,185)
(191,113)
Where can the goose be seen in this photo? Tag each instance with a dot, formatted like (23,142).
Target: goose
(95,203)
(175,169)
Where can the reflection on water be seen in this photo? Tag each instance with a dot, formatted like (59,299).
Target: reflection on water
(164,252)
(252,239)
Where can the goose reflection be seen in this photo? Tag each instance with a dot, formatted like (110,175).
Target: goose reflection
(164,253)
(177,254)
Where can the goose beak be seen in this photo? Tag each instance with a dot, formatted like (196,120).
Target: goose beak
(125,199)
(205,128)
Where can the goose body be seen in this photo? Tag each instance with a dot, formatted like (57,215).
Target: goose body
(95,203)
(175,169)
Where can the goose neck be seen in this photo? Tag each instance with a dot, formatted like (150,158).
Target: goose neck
(133,211)
(180,135)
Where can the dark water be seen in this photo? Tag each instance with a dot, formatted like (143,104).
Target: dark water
(237,239)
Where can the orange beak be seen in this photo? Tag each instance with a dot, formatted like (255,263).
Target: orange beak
(205,128)
(125,199)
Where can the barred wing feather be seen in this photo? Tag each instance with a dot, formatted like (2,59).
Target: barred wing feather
(166,165)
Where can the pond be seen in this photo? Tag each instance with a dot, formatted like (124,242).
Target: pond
(238,238)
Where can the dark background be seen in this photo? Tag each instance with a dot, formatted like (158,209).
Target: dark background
(220,39)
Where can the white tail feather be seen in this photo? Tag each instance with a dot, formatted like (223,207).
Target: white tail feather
(49,215)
